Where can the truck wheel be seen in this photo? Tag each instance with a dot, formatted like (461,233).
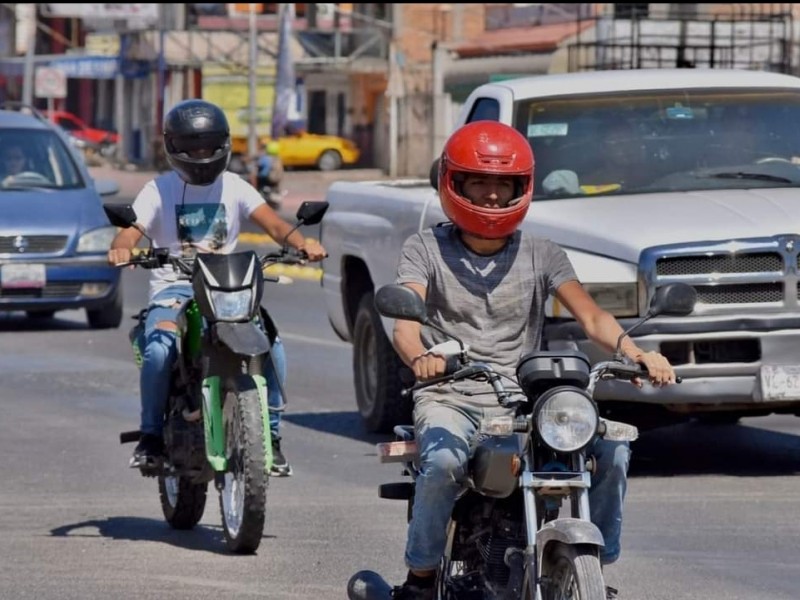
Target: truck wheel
(376,373)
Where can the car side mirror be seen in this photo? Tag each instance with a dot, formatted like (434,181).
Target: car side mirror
(401,302)
(434,175)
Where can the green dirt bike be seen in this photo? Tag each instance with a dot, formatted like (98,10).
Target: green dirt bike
(216,422)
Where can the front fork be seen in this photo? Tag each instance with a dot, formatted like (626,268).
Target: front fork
(214,422)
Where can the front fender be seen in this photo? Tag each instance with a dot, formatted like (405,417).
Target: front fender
(247,339)
(568,531)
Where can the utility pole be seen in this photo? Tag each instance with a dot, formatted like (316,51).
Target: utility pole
(252,140)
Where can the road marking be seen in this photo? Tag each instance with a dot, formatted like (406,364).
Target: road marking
(295,271)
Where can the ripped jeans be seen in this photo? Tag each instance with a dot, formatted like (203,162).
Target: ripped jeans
(443,432)
(159,352)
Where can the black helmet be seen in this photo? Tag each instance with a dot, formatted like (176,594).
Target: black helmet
(194,125)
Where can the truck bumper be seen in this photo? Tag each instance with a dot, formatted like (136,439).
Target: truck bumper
(709,381)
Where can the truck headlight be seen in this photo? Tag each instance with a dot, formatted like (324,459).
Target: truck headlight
(231,306)
(566,419)
(97,240)
(620,299)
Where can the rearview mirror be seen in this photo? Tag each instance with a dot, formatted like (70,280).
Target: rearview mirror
(675,299)
(401,302)
(311,213)
(120,215)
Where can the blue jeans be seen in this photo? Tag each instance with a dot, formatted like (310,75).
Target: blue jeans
(159,352)
(443,432)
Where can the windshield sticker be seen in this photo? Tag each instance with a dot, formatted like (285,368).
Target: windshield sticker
(547,129)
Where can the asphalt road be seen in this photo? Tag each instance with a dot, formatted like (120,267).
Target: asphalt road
(712,512)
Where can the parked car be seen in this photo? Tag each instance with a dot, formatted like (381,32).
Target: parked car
(54,235)
(325,152)
(105,141)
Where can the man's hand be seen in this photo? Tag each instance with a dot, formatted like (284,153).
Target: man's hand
(659,371)
(428,366)
(313,250)
(118,256)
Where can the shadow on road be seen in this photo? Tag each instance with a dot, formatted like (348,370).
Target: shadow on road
(202,537)
(17,321)
(343,423)
(695,449)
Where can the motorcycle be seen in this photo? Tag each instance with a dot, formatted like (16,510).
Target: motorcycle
(216,422)
(507,537)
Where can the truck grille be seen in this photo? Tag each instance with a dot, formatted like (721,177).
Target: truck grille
(759,273)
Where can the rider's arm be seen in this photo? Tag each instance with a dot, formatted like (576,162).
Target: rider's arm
(603,329)
(122,245)
(278,229)
(408,344)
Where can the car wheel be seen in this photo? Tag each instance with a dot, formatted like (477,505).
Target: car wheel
(107,316)
(330,160)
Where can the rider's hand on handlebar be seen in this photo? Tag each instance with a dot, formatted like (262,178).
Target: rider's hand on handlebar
(428,366)
(660,372)
(117,256)
(313,250)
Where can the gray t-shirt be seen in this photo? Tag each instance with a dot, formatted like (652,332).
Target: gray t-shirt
(493,303)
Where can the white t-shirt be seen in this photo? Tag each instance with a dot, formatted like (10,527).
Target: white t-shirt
(189,219)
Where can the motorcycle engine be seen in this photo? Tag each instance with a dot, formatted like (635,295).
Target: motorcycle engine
(497,525)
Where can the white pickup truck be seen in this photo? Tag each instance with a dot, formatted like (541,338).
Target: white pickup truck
(644,178)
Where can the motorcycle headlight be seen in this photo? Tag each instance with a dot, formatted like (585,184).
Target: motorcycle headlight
(97,240)
(231,306)
(566,419)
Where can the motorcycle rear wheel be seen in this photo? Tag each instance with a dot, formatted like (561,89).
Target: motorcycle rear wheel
(243,500)
(572,572)
(182,502)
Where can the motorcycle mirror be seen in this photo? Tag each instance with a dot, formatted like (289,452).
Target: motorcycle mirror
(123,215)
(433,175)
(120,215)
(401,302)
(677,299)
(311,213)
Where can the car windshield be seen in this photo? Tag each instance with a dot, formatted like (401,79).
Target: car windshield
(663,141)
(34,159)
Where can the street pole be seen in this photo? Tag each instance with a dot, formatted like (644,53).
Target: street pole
(30,52)
(252,141)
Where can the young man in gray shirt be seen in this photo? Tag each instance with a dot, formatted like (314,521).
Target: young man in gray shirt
(486,282)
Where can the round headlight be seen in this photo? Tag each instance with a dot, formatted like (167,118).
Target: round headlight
(566,419)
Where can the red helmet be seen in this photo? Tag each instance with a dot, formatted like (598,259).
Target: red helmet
(486,148)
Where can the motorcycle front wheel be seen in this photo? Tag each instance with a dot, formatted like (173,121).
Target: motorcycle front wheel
(572,572)
(243,500)
(182,502)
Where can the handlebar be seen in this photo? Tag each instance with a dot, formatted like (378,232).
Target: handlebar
(604,370)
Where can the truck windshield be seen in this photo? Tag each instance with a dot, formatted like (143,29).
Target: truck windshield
(663,141)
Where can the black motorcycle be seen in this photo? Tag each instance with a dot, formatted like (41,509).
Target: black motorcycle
(216,422)
(510,535)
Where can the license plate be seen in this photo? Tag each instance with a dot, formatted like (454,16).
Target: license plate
(22,276)
(780,382)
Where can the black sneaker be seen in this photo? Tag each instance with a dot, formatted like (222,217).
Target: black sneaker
(611,593)
(280,466)
(148,451)
(408,591)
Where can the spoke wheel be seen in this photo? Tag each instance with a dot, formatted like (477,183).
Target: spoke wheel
(572,573)
(244,498)
(182,502)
